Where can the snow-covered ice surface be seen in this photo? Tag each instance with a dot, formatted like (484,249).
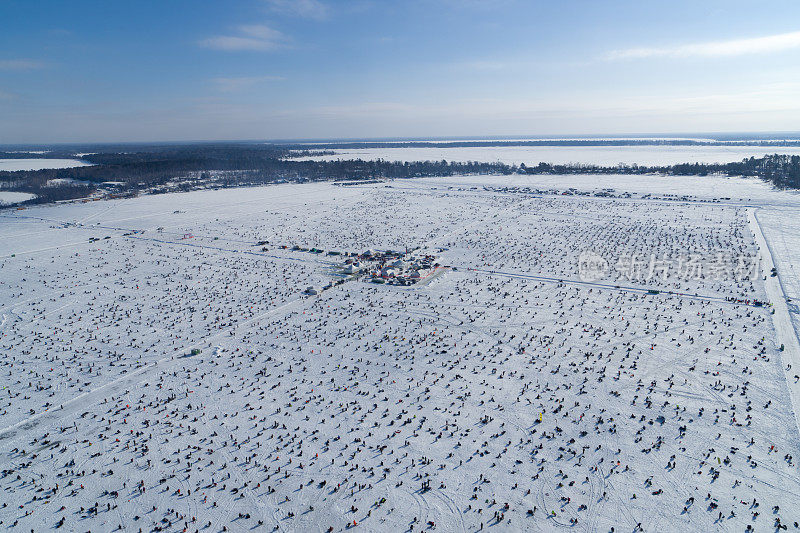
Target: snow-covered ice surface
(12,197)
(506,393)
(595,155)
(745,190)
(39,164)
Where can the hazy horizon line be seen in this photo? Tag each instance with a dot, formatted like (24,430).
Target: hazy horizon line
(775,135)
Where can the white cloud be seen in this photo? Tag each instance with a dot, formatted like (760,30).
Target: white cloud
(735,47)
(313,9)
(19,64)
(256,37)
(229,85)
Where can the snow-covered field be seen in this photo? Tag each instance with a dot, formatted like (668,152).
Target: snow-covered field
(39,164)
(595,155)
(11,197)
(509,392)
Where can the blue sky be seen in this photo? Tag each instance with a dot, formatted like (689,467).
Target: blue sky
(84,71)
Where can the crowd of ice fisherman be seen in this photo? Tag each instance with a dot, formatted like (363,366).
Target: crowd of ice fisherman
(478,402)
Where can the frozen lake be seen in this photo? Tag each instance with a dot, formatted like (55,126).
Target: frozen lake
(594,155)
(507,391)
(39,164)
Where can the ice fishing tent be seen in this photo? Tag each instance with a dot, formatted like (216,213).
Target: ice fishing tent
(351,268)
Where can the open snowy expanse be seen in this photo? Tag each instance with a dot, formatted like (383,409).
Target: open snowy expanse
(13,165)
(11,197)
(164,368)
(589,155)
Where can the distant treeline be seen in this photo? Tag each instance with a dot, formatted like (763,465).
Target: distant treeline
(184,167)
(233,150)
